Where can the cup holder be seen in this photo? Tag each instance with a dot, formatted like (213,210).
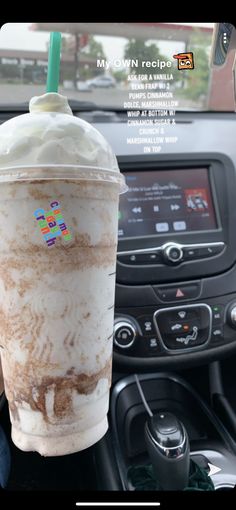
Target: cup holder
(168,392)
(164,392)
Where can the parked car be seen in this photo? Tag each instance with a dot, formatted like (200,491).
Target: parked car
(102,81)
(83,86)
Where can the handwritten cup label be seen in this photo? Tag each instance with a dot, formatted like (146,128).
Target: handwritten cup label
(52,224)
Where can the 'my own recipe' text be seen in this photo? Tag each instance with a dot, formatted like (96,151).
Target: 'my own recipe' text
(133,63)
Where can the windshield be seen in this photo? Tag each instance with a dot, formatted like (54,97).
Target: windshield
(118,65)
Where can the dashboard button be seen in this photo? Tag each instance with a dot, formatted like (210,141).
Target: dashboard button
(179,327)
(153,258)
(217,334)
(162,227)
(132,259)
(217,314)
(177,293)
(146,324)
(210,251)
(153,344)
(149,258)
(185,340)
(190,334)
(140,258)
(183,314)
(125,259)
(179,225)
(191,253)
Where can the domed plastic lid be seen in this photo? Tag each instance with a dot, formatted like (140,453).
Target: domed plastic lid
(49,142)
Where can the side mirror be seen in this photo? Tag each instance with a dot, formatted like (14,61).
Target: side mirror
(224,40)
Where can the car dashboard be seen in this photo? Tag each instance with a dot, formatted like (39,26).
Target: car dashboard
(176,275)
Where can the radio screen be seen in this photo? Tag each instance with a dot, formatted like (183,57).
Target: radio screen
(159,202)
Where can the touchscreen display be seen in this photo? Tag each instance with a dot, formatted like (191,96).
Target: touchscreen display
(159,202)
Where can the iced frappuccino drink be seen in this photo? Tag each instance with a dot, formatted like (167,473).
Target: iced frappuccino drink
(59,192)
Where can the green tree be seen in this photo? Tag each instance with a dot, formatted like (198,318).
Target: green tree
(94,48)
(196,81)
(142,50)
(197,84)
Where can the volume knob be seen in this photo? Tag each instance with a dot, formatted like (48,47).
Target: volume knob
(173,253)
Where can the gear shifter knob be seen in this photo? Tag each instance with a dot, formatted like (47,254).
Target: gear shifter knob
(168,448)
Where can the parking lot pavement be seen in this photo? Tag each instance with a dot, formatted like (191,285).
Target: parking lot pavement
(115,97)
(107,97)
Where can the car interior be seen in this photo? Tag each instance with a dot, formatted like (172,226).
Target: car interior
(172,401)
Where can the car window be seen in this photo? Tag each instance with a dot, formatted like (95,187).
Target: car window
(114,52)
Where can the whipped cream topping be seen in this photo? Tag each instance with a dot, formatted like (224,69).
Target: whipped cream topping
(50,102)
(51,135)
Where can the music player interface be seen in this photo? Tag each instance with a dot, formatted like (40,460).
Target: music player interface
(168,201)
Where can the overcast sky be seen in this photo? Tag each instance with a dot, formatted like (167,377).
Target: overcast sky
(18,36)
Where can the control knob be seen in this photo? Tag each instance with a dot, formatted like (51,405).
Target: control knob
(173,253)
(232,315)
(124,333)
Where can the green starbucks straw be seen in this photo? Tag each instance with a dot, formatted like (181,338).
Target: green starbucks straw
(54,62)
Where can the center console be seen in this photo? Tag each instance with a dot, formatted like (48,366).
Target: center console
(211,447)
(176,275)
(175,307)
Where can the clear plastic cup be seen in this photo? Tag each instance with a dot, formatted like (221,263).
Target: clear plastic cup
(59,193)
(1,380)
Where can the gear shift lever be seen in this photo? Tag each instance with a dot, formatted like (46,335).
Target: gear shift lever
(168,448)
